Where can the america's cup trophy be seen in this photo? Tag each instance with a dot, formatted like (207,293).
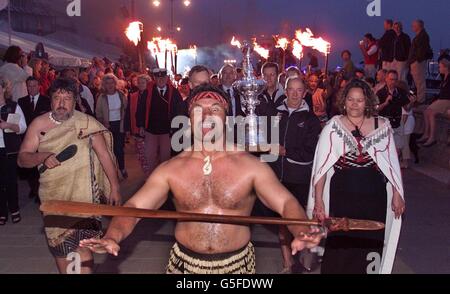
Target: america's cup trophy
(250,88)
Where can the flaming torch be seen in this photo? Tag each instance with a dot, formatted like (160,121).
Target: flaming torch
(154,49)
(263,52)
(297,51)
(161,48)
(282,43)
(133,33)
(236,43)
(307,39)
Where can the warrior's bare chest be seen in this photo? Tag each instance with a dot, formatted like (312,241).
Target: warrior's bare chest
(224,188)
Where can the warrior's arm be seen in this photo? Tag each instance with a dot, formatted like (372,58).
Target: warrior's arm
(151,196)
(275,196)
(28,157)
(98,142)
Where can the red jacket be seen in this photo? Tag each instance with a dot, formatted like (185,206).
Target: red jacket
(370,59)
(133,104)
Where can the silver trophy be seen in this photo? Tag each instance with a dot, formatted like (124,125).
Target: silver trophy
(250,88)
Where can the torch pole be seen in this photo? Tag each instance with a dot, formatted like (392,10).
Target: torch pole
(157,60)
(172,62)
(176,61)
(140,57)
(165,59)
(327,61)
(9,23)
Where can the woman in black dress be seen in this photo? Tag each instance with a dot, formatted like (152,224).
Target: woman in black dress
(358,185)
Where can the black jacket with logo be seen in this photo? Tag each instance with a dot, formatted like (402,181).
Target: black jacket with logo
(299,134)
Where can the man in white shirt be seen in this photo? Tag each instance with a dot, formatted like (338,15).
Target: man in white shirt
(227,76)
(33,105)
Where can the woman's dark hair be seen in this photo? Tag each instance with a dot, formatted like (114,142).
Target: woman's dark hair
(370,81)
(370,97)
(64,85)
(13,54)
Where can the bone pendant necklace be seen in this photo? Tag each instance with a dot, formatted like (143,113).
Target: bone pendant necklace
(207,168)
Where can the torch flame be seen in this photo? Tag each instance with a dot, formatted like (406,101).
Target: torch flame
(235,42)
(158,45)
(133,32)
(282,43)
(297,49)
(307,39)
(258,49)
(263,52)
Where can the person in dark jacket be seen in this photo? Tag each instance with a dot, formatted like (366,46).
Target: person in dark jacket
(33,106)
(154,118)
(392,100)
(419,55)
(401,53)
(299,133)
(387,45)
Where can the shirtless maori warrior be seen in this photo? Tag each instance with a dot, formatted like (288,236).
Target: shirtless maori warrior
(210,182)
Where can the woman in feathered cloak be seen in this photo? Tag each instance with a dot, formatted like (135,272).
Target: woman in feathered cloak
(356,174)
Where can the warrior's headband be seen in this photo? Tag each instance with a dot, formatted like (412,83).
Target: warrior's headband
(211,95)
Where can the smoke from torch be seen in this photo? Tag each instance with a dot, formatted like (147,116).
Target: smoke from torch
(193,51)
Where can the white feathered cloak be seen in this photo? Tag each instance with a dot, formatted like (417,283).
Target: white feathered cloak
(334,142)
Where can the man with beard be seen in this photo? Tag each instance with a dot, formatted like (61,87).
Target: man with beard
(217,179)
(89,176)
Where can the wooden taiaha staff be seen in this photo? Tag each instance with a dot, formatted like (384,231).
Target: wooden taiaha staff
(89,209)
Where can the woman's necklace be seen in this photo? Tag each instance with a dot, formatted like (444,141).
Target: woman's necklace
(357,132)
(53,120)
